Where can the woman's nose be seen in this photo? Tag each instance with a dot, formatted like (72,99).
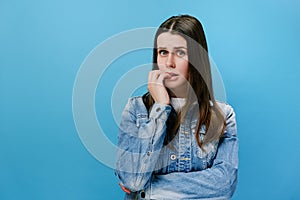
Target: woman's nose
(170,61)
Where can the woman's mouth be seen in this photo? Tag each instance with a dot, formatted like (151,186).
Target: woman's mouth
(172,74)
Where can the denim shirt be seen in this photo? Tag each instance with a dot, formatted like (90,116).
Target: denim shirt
(180,170)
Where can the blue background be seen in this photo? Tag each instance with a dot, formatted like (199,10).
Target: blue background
(255,45)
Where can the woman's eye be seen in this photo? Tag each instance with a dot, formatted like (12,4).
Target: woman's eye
(163,52)
(180,53)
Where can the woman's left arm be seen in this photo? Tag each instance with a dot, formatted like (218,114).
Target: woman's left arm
(217,182)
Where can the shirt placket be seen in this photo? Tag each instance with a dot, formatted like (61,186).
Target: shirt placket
(184,158)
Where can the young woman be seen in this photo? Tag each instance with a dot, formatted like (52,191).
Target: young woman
(177,141)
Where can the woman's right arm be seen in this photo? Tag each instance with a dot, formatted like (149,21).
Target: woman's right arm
(139,144)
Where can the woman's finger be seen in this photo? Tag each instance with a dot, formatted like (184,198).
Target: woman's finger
(162,77)
(154,77)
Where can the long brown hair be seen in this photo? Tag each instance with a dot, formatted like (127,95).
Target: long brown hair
(199,78)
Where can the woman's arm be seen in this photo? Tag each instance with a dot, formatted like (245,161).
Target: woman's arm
(217,182)
(139,144)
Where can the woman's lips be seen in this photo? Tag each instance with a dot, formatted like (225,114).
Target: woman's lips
(172,74)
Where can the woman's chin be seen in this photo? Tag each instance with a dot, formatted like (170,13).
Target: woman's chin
(175,85)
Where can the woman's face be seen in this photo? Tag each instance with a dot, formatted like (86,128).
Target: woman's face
(172,58)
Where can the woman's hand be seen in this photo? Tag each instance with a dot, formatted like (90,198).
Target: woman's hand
(156,86)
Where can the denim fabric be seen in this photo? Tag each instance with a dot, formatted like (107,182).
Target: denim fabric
(180,170)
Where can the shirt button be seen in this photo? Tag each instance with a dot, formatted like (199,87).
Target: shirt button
(173,157)
(157,109)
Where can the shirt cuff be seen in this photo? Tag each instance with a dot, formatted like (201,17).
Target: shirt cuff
(160,111)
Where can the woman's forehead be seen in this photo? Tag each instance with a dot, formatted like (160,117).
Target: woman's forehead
(168,40)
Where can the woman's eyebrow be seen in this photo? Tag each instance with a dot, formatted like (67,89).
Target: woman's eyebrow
(180,47)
